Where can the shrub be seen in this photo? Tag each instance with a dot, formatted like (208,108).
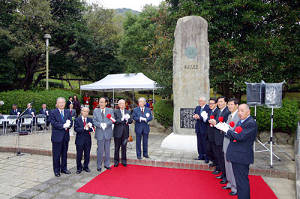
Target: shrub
(285,118)
(22,98)
(163,112)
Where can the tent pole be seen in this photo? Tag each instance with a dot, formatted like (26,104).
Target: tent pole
(132,96)
(114,97)
(153,95)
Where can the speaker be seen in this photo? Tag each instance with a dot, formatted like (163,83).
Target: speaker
(273,96)
(255,93)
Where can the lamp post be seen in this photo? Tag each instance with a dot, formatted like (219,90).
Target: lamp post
(47,37)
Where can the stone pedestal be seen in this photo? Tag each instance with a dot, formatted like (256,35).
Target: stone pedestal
(190,72)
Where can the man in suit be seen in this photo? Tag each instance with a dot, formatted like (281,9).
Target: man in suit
(103,120)
(83,127)
(201,116)
(15,110)
(121,132)
(30,110)
(72,111)
(210,140)
(61,122)
(219,137)
(240,149)
(232,121)
(142,115)
(45,111)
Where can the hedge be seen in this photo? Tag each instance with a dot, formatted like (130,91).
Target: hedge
(285,118)
(163,111)
(22,98)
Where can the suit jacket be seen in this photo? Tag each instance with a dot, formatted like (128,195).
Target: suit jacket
(12,112)
(211,130)
(73,112)
(57,122)
(201,126)
(121,126)
(29,112)
(44,112)
(219,136)
(68,104)
(241,151)
(97,120)
(82,135)
(235,119)
(141,126)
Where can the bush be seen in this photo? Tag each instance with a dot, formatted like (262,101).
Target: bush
(22,98)
(163,112)
(285,118)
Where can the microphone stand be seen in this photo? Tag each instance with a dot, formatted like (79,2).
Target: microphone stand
(19,126)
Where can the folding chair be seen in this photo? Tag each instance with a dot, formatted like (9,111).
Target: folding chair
(2,123)
(11,122)
(40,120)
(27,120)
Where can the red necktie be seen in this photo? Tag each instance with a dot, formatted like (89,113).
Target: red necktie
(142,111)
(71,112)
(84,123)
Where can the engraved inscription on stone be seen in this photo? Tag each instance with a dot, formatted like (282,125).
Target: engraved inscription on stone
(186,118)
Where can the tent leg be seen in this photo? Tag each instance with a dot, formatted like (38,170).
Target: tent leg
(114,98)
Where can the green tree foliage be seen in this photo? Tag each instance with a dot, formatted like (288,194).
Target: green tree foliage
(84,41)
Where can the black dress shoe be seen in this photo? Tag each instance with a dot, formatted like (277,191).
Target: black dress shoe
(139,158)
(99,170)
(57,174)
(212,165)
(216,172)
(66,172)
(116,164)
(225,187)
(87,170)
(124,164)
(146,156)
(206,161)
(223,181)
(108,168)
(233,193)
(78,171)
(219,177)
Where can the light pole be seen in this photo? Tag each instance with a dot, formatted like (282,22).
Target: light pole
(47,37)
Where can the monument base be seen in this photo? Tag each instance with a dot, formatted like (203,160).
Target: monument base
(187,143)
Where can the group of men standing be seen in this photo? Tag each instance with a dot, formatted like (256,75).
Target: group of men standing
(106,124)
(225,136)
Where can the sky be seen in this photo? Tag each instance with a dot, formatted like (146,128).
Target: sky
(132,4)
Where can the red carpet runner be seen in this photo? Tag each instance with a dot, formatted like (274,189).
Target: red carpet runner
(145,182)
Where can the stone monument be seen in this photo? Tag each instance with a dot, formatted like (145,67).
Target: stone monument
(190,77)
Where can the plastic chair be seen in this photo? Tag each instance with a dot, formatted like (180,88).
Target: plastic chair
(11,121)
(27,120)
(2,123)
(40,120)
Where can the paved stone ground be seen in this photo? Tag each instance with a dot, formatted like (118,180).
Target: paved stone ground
(31,176)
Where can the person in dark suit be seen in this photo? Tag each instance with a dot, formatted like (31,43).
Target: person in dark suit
(15,110)
(201,116)
(70,101)
(30,110)
(121,132)
(45,111)
(72,111)
(142,115)
(210,143)
(240,149)
(61,122)
(219,137)
(83,127)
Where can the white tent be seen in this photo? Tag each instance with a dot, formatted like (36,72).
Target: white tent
(122,82)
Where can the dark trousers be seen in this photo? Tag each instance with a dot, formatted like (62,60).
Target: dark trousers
(201,145)
(59,154)
(210,151)
(86,149)
(241,172)
(219,154)
(120,143)
(139,137)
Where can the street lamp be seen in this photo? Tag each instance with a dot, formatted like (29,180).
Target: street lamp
(47,37)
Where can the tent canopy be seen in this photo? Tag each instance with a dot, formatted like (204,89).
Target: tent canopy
(122,82)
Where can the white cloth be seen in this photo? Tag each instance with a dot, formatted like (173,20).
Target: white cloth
(103,126)
(222,126)
(204,115)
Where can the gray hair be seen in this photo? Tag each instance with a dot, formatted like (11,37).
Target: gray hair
(85,108)
(202,98)
(142,98)
(60,98)
(121,100)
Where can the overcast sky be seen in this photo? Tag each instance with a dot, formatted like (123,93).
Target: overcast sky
(132,4)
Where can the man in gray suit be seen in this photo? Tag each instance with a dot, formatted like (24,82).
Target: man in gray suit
(232,121)
(103,120)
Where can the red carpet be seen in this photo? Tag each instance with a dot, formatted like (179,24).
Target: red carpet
(144,182)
